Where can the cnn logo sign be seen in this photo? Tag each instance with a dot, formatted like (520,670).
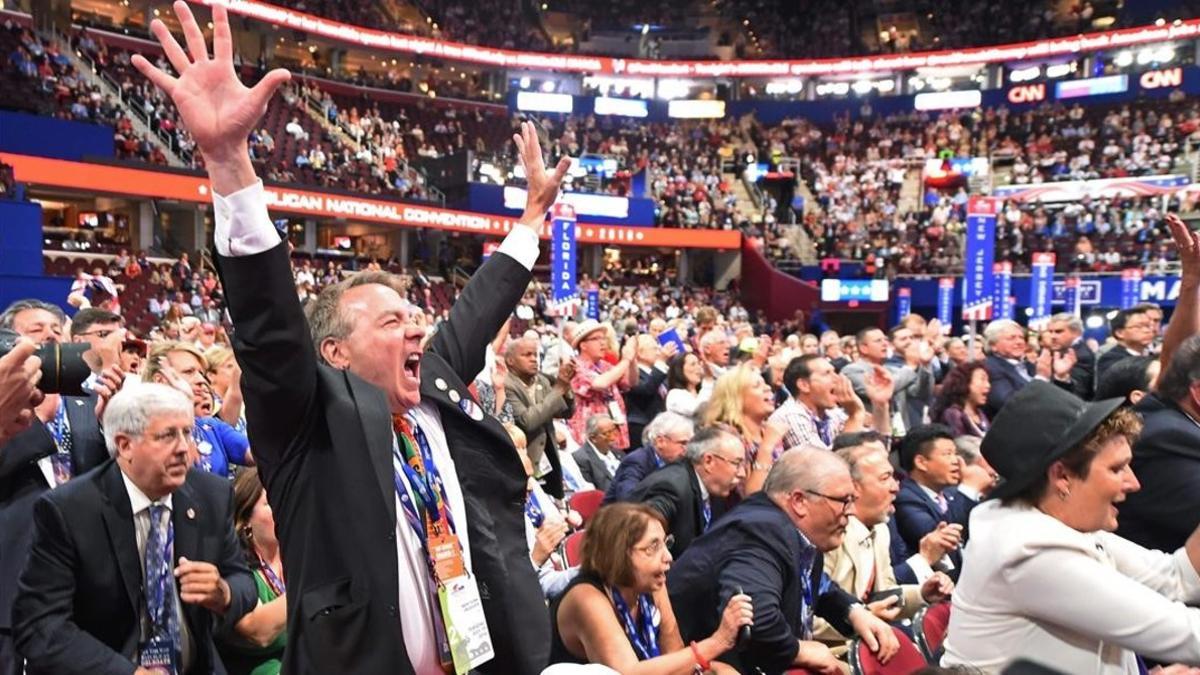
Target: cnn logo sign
(1158,79)
(1027,93)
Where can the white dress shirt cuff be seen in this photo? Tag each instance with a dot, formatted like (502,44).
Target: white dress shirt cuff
(920,567)
(521,245)
(242,226)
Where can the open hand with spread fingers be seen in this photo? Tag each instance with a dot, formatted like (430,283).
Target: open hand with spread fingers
(216,108)
(542,187)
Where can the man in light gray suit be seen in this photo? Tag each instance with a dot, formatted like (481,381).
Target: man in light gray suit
(912,374)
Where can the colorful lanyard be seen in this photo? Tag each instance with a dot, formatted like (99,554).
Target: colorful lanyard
(644,638)
(273,580)
(426,482)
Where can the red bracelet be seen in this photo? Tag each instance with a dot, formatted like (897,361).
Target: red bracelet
(700,660)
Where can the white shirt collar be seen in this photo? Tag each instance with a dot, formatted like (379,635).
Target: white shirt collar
(703,490)
(138,500)
(928,491)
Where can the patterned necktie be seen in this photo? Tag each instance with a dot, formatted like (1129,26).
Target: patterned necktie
(706,511)
(160,592)
(60,430)
(943,505)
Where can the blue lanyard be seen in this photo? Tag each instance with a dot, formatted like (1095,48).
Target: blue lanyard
(534,512)
(272,579)
(644,638)
(658,461)
(58,428)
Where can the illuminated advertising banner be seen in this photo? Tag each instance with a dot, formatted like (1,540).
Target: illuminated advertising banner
(1095,86)
(505,58)
(851,290)
(1168,78)
(534,101)
(120,180)
(585,204)
(627,107)
(948,100)
(702,109)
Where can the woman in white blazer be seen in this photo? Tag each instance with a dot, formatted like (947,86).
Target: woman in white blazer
(1044,578)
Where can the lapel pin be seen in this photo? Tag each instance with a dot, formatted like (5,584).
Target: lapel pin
(471,409)
(191,514)
(440,384)
(78,403)
(455,397)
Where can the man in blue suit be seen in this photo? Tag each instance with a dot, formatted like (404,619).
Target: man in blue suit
(1006,366)
(667,437)
(927,495)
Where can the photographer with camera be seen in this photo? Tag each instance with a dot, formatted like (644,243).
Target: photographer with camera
(20,371)
(63,438)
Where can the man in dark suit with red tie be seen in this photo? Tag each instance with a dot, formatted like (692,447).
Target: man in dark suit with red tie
(397,501)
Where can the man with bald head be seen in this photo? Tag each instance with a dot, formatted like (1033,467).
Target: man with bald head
(536,401)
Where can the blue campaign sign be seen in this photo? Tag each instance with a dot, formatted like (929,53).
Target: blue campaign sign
(593,304)
(562,256)
(978,280)
(1088,292)
(945,301)
(1041,288)
(1001,290)
(903,303)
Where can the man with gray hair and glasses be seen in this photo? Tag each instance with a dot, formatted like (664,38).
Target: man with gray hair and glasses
(134,565)
(771,547)
(664,441)
(691,494)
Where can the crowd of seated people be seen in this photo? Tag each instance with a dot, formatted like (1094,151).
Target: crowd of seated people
(67,95)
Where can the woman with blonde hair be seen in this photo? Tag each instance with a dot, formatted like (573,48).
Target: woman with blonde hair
(225,377)
(742,401)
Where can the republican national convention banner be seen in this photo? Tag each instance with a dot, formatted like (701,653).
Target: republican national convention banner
(1002,306)
(978,280)
(564,296)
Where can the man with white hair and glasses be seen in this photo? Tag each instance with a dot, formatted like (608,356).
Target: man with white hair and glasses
(134,565)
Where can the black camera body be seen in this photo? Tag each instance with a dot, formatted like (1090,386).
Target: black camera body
(63,369)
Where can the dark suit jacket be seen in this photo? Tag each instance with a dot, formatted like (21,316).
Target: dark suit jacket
(81,595)
(593,469)
(22,482)
(636,466)
(899,552)
(535,416)
(1166,459)
(755,548)
(643,401)
(1083,375)
(1110,358)
(674,491)
(322,439)
(1005,380)
(917,515)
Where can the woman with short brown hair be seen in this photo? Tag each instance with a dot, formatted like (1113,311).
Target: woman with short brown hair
(617,613)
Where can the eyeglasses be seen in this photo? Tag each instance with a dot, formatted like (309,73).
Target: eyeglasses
(735,463)
(184,434)
(655,547)
(846,502)
(593,338)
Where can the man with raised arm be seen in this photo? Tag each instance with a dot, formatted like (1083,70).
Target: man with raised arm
(398,502)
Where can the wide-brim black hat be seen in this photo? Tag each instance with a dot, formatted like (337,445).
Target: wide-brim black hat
(1037,426)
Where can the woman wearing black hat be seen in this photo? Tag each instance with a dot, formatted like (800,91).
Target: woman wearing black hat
(1044,578)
